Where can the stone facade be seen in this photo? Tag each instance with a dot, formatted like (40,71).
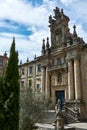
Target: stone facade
(61,71)
(3,63)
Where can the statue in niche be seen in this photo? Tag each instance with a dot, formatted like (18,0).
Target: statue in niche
(58,36)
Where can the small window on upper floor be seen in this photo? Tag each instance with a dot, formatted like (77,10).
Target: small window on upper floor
(1,62)
(22,83)
(38,86)
(59,62)
(22,71)
(31,69)
(39,68)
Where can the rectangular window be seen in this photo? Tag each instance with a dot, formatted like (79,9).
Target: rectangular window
(59,62)
(30,83)
(39,67)
(22,71)
(22,83)
(1,62)
(31,69)
(38,86)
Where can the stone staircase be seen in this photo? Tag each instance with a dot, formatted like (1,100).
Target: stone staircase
(71,116)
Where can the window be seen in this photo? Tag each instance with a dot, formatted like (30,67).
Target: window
(31,69)
(38,86)
(22,83)
(39,67)
(1,62)
(30,83)
(59,77)
(59,62)
(71,41)
(22,71)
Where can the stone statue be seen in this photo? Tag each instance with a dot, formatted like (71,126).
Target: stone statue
(59,104)
(59,116)
(57,13)
(58,107)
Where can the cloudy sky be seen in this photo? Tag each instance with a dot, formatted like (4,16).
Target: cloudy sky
(27,20)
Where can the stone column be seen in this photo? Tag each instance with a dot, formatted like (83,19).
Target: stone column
(77,79)
(43,79)
(70,80)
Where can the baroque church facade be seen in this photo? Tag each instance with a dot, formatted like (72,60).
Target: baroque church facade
(61,71)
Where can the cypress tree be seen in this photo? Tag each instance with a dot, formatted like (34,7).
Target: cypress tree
(12,90)
(2,104)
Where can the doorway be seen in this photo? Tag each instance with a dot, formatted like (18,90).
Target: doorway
(60,94)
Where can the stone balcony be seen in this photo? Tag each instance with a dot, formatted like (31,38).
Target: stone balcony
(57,67)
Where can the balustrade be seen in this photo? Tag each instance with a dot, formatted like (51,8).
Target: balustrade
(55,67)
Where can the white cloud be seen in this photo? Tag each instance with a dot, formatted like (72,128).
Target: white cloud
(33,29)
(80,9)
(8,26)
(36,20)
(67,2)
(25,13)
(11,35)
(81,33)
(27,47)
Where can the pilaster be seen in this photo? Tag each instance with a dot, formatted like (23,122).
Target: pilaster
(70,80)
(77,79)
(47,89)
(43,79)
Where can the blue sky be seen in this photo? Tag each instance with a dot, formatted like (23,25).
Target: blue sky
(27,20)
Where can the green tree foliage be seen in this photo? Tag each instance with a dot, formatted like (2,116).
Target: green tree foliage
(33,109)
(10,97)
(2,100)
